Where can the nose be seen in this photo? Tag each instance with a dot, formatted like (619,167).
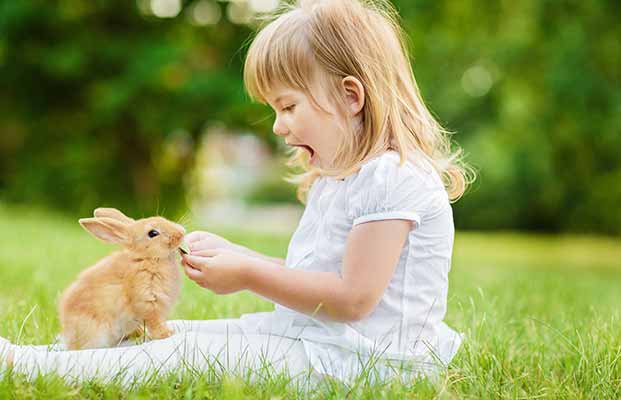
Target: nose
(180,228)
(279,128)
(177,236)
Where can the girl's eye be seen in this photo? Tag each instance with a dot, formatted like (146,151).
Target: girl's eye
(153,233)
(289,108)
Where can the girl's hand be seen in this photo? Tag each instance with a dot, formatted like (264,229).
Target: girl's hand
(200,240)
(221,270)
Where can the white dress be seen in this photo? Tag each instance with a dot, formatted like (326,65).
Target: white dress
(406,329)
(402,337)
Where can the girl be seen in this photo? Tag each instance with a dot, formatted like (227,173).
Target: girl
(364,285)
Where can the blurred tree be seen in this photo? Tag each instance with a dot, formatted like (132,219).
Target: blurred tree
(533,90)
(102,103)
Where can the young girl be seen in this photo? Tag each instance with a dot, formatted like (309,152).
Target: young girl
(364,285)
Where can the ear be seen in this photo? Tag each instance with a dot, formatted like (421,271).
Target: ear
(112,213)
(107,229)
(354,93)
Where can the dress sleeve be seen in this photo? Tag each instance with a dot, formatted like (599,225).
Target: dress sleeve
(384,190)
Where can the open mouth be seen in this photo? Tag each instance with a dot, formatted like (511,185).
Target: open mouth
(310,150)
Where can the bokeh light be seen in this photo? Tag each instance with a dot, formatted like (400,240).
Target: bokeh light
(166,8)
(263,6)
(476,81)
(205,12)
(239,12)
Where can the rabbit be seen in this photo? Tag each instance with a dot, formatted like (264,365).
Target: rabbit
(129,289)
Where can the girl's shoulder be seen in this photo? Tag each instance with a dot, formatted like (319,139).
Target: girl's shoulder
(385,188)
(387,170)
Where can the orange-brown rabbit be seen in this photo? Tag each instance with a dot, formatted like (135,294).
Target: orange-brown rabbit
(130,289)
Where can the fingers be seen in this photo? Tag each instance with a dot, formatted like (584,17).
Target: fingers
(206,252)
(204,243)
(199,260)
(192,273)
(195,236)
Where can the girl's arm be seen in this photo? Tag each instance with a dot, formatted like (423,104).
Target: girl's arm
(273,260)
(372,253)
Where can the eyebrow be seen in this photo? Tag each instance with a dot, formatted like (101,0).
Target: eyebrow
(279,98)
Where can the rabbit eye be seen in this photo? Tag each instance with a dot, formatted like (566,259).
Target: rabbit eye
(153,233)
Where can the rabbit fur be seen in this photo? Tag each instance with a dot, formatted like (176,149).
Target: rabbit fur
(128,290)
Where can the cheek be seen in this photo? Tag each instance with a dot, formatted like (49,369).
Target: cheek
(314,128)
(328,134)
(304,127)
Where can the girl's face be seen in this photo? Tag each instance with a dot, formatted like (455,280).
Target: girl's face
(302,124)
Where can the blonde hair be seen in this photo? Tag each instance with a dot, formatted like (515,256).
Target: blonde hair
(319,42)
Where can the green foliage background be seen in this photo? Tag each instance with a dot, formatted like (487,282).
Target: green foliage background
(102,105)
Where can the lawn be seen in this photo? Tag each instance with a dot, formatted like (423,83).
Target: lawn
(540,314)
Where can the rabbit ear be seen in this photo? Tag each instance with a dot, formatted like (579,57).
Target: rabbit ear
(112,213)
(107,229)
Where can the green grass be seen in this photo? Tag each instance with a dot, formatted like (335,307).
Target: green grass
(540,314)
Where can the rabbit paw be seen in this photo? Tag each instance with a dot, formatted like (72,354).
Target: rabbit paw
(161,332)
